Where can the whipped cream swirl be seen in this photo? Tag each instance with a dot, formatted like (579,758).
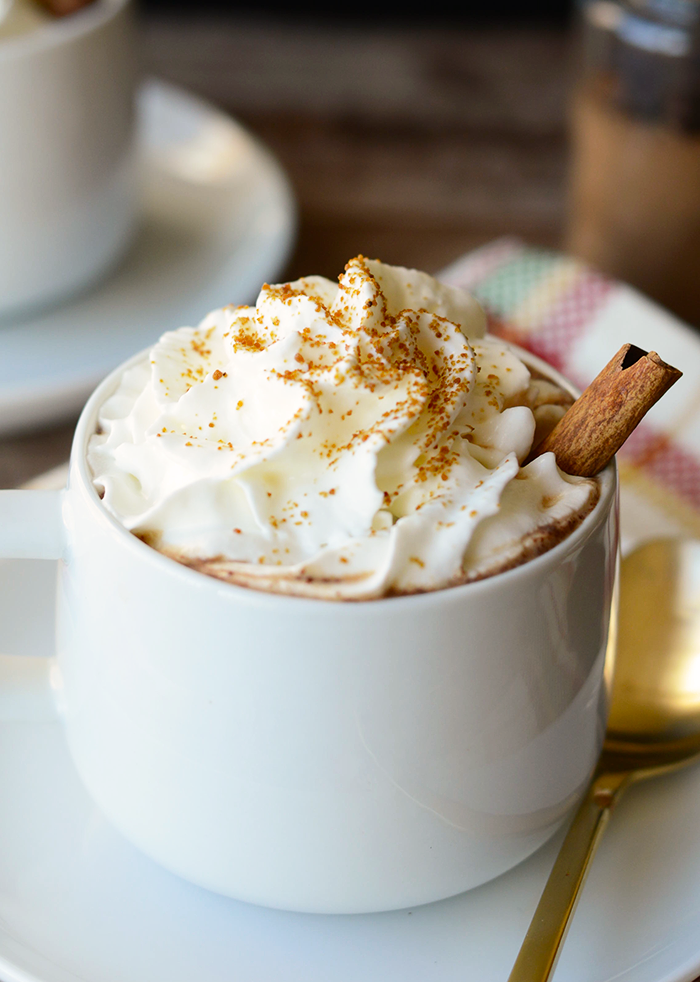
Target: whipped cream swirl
(344,441)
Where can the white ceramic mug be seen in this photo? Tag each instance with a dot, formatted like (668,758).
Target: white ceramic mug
(313,755)
(67,153)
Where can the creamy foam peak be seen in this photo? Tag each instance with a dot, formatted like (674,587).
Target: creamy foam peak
(343,440)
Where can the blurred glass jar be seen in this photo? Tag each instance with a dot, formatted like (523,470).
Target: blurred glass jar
(635,173)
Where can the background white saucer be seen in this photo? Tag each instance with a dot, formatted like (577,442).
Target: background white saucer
(79,904)
(218,219)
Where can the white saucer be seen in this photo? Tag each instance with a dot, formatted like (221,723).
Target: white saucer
(79,904)
(218,219)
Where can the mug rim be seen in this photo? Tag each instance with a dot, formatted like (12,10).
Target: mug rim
(60,31)
(79,468)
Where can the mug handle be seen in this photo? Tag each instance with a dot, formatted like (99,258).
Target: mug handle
(31,527)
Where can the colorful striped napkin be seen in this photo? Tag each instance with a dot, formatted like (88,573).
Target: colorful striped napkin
(576,319)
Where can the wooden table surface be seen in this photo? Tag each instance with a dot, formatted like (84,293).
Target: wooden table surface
(411,145)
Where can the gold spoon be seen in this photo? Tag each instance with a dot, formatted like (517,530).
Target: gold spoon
(654,724)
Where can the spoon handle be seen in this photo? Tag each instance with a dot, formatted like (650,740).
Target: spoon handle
(540,949)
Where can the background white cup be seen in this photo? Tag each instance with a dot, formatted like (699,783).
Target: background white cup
(67,153)
(312,755)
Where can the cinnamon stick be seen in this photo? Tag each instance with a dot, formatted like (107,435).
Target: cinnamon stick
(591,432)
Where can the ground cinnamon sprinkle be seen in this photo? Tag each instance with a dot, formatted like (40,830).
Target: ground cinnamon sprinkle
(351,378)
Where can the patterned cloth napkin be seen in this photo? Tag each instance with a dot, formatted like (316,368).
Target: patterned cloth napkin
(576,319)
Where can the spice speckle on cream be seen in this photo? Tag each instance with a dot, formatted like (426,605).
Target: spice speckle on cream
(343,441)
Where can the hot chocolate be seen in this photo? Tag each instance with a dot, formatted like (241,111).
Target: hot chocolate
(342,441)
(19,17)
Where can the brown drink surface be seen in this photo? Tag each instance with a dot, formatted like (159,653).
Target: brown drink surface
(530,546)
